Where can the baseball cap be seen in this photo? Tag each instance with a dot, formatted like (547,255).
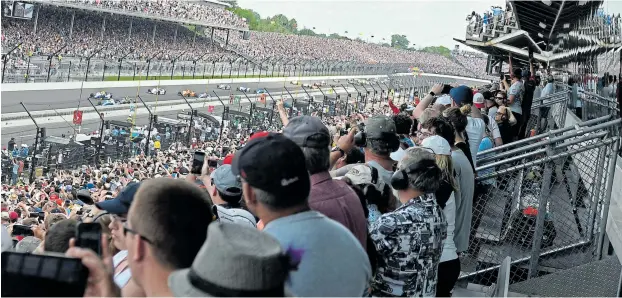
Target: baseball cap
(478,100)
(443,100)
(274,164)
(226,183)
(461,95)
(228,159)
(307,131)
(259,134)
(13,215)
(380,127)
(234,215)
(438,144)
(120,204)
(365,174)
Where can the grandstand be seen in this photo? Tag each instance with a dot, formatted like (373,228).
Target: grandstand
(139,31)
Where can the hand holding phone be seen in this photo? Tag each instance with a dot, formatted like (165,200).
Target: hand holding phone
(197,163)
(89,235)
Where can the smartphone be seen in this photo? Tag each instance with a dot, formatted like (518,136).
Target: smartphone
(197,162)
(22,230)
(212,163)
(53,274)
(446,89)
(89,235)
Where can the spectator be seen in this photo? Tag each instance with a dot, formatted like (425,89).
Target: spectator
(464,177)
(235,260)
(515,98)
(57,238)
(118,209)
(225,190)
(449,266)
(403,269)
(276,187)
(462,97)
(163,234)
(375,193)
(460,122)
(403,125)
(529,83)
(330,197)
(28,244)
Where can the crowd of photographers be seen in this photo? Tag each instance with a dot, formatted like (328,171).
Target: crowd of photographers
(380,203)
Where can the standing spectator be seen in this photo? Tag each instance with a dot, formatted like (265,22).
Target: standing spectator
(529,83)
(330,197)
(475,129)
(276,187)
(225,190)
(164,234)
(11,145)
(234,261)
(449,266)
(514,100)
(408,260)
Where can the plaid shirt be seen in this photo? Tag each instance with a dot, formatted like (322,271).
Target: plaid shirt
(409,242)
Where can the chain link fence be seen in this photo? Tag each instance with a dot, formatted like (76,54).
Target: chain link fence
(543,201)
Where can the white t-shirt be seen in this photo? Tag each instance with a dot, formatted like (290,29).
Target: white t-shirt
(475,130)
(518,90)
(123,277)
(449,246)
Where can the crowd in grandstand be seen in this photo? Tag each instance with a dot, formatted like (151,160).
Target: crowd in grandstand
(133,38)
(323,208)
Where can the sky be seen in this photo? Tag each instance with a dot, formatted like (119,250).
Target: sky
(424,22)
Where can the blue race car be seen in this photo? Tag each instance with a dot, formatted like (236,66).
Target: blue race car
(109,102)
(260,91)
(101,95)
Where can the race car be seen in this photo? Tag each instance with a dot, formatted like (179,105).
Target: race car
(204,95)
(109,102)
(260,91)
(159,91)
(244,89)
(306,85)
(187,93)
(294,82)
(101,95)
(224,87)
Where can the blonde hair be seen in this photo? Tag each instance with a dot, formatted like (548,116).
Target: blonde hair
(445,163)
(466,109)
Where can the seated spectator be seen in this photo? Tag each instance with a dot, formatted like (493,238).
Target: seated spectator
(276,187)
(403,269)
(230,262)
(330,197)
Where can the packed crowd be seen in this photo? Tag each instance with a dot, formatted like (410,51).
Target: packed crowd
(472,61)
(202,11)
(175,41)
(379,203)
(491,19)
(115,41)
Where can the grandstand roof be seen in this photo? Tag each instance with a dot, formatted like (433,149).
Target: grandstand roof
(543,20)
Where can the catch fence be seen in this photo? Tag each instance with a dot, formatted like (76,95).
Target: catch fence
(543,201)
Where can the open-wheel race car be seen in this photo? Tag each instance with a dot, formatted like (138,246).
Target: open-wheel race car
(204,95)
(156,91)
(244,89)
(260,91)
(187,93)
(224,87)
(101,95)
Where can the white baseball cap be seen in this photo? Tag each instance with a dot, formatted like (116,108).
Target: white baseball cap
(478,100)
(438,144)
(443,100)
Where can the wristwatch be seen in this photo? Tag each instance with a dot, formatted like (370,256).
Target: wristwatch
(432,93)
(338,149)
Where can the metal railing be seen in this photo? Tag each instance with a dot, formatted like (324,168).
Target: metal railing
(543,201)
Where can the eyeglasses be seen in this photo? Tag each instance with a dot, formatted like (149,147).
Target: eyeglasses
(128,230)
(118,218)
(423,134)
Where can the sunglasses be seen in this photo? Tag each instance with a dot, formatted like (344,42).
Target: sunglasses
(128,230)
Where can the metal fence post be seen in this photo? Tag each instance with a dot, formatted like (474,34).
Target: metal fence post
(34,150)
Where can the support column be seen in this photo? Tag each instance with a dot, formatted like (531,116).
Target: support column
(129,35)
(103,26)
(73,17)
(34,29)
(175,36)
(211,40)
(153,35)
(227,40)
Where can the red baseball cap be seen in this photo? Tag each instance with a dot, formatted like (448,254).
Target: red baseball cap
(228,159)
(258,135)
(13,215)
